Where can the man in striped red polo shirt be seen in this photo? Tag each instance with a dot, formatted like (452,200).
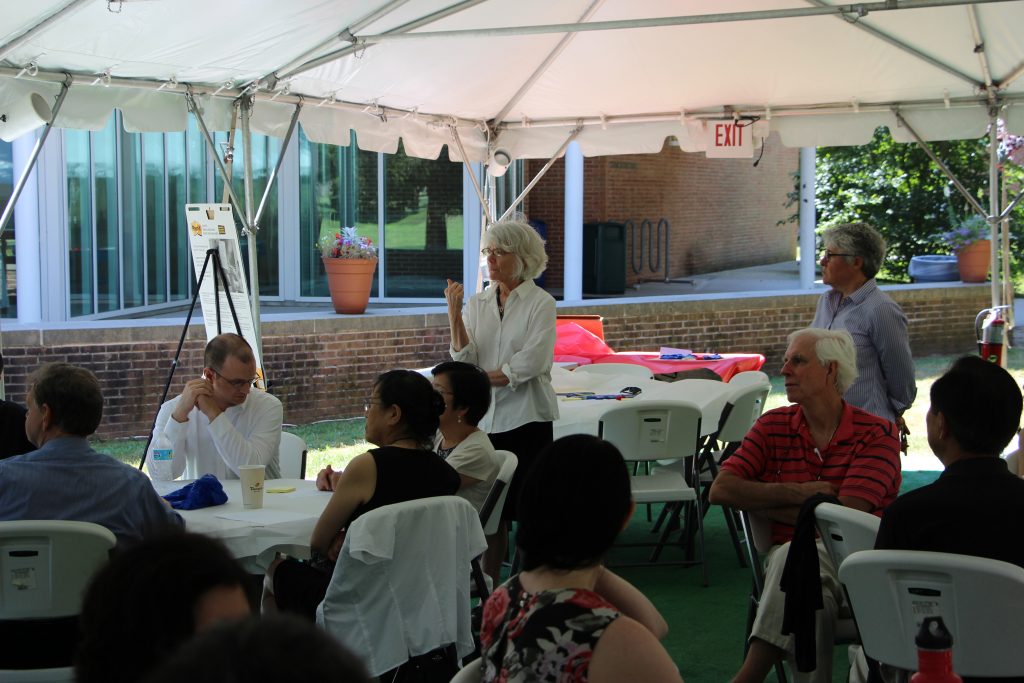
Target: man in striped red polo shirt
(820,444)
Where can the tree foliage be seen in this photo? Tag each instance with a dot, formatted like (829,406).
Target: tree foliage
(898,189)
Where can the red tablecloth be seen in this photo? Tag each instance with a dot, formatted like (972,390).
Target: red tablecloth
(576,345)
(726,367)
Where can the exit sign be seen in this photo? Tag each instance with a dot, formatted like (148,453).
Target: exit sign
(728,140)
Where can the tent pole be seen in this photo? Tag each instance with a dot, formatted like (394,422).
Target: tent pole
(194,108)
(472,176)
(993,204)
(23,178)
(250,228)
(945,169)
(1007,278)
(229,153)
(277,166)
(808,242)
(857,11)
(540,174)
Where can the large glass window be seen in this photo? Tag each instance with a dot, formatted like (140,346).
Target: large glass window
(127,240)
(265,151)
(337,187)
(422,225)
(8,285)
(80,228)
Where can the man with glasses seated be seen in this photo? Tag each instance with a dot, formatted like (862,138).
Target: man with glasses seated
(217,423)
(885,369)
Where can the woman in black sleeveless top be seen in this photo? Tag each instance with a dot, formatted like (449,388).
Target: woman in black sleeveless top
(401,419)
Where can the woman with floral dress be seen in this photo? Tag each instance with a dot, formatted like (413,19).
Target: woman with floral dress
(565,618)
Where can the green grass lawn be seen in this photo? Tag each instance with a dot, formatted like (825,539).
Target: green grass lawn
(335,442)
(408,233)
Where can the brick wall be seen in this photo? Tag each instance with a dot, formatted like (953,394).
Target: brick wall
(722,213)
(323,368)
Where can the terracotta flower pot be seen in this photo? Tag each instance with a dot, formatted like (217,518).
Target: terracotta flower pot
(350,281)
(973,261)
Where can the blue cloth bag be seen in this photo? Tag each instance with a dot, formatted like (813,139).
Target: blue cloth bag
(204,492)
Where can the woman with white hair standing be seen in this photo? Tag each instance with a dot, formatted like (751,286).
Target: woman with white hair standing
(509,330)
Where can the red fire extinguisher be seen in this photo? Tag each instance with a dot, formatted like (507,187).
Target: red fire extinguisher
(991,333)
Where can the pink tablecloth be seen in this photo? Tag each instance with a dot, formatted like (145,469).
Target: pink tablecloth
(726,367)
(577,345)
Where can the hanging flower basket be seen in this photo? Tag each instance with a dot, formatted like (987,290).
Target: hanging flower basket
(973,260)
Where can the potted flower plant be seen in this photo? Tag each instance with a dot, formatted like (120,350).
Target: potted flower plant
(969,241)
(350,261)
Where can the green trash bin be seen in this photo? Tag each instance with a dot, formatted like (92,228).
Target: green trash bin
(604,258)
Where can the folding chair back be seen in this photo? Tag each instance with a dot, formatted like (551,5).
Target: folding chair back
(46,566)
(292,456)
(979,600)
(494,503)
(749,377)
(844,530)
(653,430)
(746,405)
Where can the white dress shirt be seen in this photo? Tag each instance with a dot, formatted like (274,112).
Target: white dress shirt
(246,434)
(522,345)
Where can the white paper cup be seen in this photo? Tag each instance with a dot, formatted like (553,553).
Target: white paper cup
(252,477)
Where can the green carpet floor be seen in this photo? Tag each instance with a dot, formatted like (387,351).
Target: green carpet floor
(706,625)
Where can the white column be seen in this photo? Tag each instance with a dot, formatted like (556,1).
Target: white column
(572,274)
(808,248)
(26,223)
(471,222)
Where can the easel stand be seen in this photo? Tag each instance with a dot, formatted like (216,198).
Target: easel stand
(219,279)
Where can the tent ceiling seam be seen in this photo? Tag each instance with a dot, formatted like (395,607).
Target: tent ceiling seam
(910,50)
(546,63)
(359,44)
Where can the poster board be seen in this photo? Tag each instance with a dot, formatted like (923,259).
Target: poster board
(212,226)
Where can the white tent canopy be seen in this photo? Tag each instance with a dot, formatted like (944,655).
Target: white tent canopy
(522,74)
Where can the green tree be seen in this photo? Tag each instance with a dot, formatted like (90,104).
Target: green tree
(898,189)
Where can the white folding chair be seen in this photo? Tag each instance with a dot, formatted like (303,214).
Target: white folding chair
(844,530)
(630,370)
(401,586)
(292,456)
(979,600)
(748,377)
(745,404)
(46,566)
(494,503)
(660,430)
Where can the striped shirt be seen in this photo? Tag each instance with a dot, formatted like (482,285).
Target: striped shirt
(885,369)
(862,460)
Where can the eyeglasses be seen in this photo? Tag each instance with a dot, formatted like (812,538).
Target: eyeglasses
(487,251)
(370,402)
(828,255)
(238,383)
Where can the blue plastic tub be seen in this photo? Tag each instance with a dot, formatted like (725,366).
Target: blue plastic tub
(933,268)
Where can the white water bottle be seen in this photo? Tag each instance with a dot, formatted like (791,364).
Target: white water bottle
(162,449)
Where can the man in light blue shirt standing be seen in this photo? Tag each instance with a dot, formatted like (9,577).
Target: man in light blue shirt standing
(885,382)
(64,478)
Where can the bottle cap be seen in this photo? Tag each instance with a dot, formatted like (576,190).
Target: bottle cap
(933,635)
